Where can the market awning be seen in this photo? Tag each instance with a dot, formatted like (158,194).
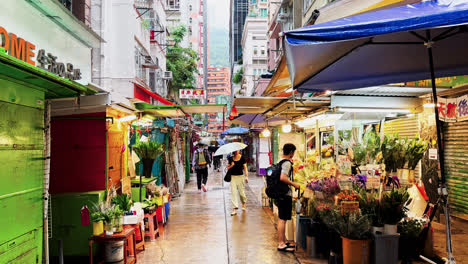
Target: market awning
(53,85)
(202,109)
(279,106)
(368,49)
(151,94)
(257,120)
(180,110)
(280,82)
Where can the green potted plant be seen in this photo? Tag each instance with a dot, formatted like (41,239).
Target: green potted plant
(123,201)
(393,209)
(415,152)
(354,230)
(388,147)
(370,205)
(410,244)
(150,205)
(97,217)
(148,152)
(113,215)
(118,218)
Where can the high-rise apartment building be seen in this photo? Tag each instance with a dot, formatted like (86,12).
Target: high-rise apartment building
(239,10)
(219,92)
(190,14)
(254,45)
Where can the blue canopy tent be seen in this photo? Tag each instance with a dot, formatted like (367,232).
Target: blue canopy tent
(235,131)
(408,43)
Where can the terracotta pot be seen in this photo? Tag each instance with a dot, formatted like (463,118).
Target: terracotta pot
(390,229)
(356,251)
(98,228)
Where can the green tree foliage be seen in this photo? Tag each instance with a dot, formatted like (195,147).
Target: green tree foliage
(182,62)
(238,76)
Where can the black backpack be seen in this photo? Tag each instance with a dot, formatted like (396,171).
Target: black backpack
(275,187)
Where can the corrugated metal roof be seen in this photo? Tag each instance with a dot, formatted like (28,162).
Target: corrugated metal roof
(389,91)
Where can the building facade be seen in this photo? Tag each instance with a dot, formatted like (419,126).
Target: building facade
(219,92)
(138,26)
(254,45)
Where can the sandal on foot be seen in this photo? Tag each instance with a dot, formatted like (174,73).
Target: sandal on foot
(286,249)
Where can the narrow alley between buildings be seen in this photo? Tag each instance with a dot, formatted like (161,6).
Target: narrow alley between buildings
(201,230)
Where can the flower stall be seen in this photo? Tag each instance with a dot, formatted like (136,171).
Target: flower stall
(359,206)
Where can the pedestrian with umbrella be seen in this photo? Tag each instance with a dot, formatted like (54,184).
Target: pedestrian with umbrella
(239,174)
(201,160)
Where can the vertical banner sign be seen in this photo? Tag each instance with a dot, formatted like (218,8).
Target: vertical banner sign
(451,115)
(442,108)
(462,108)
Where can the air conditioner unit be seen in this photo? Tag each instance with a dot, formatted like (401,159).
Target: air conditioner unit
(282,18)
(167,75)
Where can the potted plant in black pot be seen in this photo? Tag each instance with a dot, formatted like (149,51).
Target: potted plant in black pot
(410,245)
(394,209)
(148,152)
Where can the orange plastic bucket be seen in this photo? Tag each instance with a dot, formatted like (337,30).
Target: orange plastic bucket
(355,251)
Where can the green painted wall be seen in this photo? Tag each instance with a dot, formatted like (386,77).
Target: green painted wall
(21,172)
(66,222)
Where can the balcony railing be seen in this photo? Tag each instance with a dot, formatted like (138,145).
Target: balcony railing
(143,3)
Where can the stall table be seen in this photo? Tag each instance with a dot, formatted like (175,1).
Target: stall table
(136,187)
(153,228)
(128,234)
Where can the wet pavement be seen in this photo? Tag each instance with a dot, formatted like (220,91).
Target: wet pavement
(201,229)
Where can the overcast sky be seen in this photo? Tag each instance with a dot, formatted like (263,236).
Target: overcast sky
(218,13)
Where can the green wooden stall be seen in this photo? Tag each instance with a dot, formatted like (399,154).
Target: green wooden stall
(24,90)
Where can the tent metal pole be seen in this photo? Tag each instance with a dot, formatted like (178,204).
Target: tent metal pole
(443,193)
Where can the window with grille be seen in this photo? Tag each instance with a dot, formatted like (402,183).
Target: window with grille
(67,4)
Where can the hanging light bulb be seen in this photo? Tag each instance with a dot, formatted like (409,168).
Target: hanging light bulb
(287,127)
(266,132)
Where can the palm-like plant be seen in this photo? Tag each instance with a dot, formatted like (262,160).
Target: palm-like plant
(415,152)
(393,206)
(149,150)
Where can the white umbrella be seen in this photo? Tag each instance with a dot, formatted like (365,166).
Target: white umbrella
(229,148)
(207,141)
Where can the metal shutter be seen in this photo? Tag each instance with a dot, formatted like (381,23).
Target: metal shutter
(407,127)
(456,164)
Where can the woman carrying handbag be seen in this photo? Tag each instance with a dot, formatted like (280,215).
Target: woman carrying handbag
(237,168)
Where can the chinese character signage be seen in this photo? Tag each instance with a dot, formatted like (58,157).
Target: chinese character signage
(453,109)
(191,94)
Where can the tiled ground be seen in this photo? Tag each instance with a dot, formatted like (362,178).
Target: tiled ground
(201,230)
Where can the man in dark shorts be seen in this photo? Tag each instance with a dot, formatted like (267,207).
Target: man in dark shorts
(285,203)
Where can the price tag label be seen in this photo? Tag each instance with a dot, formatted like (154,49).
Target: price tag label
(433,154)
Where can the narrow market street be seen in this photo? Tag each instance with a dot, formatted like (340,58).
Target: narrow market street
(201,230)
